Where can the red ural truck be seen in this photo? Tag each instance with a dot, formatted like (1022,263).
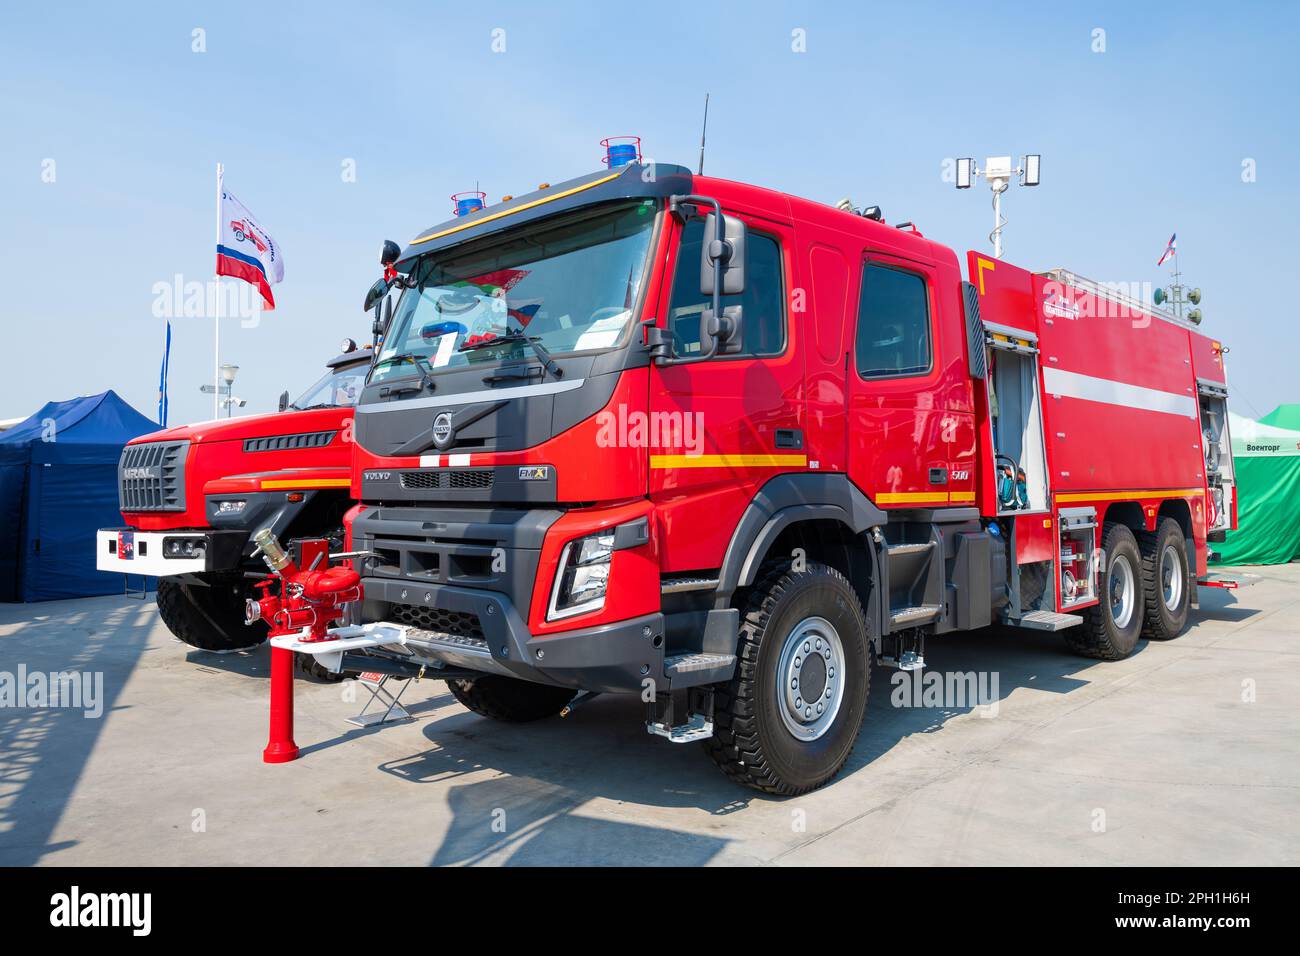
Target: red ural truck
(192,497)
(654,433)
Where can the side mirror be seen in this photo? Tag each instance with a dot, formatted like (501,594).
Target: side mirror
(727,333)
(284,400)
(727,252)
(376,293)
(391,251)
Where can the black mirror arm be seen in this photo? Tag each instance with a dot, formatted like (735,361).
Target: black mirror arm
(719,249)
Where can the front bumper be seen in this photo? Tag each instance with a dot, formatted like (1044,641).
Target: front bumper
(129,551)
(490,636)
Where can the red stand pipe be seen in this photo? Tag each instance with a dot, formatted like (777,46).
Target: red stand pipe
(280,747)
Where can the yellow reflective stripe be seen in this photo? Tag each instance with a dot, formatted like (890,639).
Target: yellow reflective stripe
(510,212)
(727,461)
(304,483)
(923,497)
(1095,495)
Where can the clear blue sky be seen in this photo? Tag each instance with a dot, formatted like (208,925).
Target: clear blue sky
(1138,141)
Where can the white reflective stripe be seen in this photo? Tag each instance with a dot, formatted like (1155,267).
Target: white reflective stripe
(1074,385)
(458,461)
(430,461)
(435,461)
(473,398)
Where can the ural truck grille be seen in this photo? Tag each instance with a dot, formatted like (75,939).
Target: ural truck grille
(151,476)
(455,624)
(289,442)
(433,480)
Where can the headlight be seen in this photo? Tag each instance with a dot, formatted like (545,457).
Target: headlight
(230,507)
(582,576)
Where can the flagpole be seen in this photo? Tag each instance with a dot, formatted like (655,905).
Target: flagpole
(216,335)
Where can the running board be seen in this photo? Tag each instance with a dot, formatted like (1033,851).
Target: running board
(912,616)
(1046,621)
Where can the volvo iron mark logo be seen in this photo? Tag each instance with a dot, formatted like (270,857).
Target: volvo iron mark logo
(443,433)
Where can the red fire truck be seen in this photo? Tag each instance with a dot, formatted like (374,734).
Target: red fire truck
(727,448)
(192,497)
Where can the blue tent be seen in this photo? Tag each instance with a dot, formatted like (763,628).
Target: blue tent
(58,486)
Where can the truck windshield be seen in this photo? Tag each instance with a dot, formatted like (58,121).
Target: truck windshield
(569,283)
(339,387)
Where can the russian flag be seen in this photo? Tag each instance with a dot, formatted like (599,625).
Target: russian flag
(1171,249)
(246,250)
(240,265)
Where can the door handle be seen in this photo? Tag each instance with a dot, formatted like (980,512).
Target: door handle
(789,438)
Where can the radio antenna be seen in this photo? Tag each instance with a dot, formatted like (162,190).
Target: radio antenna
(703,132)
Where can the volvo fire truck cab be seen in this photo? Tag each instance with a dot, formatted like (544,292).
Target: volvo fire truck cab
(656,433)
(192,498)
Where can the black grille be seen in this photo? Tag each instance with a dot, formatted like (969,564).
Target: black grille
(470,479)
(151,476)
(433,480)
(421,480)
(456,623)
(289,442)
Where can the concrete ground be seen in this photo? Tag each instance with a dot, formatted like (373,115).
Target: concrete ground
(1186,753)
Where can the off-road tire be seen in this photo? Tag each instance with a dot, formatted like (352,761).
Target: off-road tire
(210,618)
(750,742)
(1162,624)
(509,699)
(1099,636)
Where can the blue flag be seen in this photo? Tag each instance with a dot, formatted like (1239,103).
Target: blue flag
(162,379)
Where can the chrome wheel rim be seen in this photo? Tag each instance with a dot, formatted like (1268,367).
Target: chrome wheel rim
(1171,578)
(811,675)
(1123,591)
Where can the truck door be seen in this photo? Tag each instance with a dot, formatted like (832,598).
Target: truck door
(720,429)
(901,430)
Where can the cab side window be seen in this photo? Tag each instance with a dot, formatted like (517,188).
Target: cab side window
(763,300)
(893,323)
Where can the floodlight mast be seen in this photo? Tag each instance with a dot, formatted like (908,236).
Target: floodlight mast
(997,172)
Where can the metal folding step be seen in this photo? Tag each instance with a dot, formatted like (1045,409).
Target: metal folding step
(1047,621)
(692,670)
(912,616)
(919,547)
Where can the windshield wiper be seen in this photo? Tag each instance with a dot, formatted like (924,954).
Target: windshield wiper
(426,375)
(510,338)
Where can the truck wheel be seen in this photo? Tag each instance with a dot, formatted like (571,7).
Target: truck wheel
(1110,629)
(510,699)
(210,617)
(1165,580)
(786,722)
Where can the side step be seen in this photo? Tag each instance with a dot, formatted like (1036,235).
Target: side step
(692,670)
(1047,621)
(697,727)
(912,616)
(919,547)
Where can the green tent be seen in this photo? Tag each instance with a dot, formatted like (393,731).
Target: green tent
(1266,462)
(1284,416)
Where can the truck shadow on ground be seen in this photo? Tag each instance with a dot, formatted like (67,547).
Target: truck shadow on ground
(517,791)
(43,749)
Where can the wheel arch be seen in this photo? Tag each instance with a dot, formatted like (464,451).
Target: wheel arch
(823,515)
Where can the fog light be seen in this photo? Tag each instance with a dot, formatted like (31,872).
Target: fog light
(582,577)
(232,507)
(183,547)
